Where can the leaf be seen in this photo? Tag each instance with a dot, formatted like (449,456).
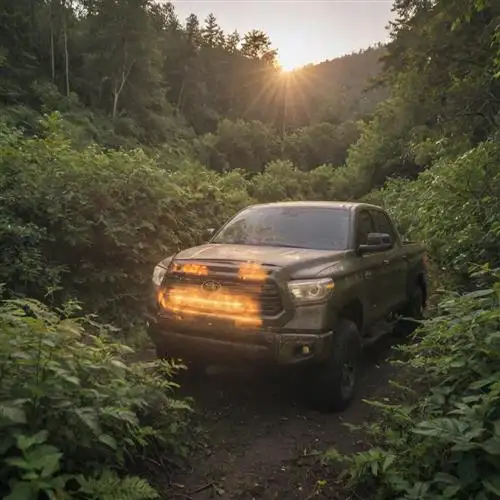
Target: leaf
(51,464)
(22,491)
(108,441)
(443,477)
(492,446)
(88,416)
(388,461)
(39,458)
(13,414)
(26,442)
(492,484)
(479,293)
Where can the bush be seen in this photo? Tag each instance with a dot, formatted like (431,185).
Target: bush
(92,224)
(453,208)
(447,445)
(72,413)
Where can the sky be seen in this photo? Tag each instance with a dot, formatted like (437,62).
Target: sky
(303,31)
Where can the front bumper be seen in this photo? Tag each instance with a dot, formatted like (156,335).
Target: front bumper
(268,347)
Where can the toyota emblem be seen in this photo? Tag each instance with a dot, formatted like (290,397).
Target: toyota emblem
(210,286)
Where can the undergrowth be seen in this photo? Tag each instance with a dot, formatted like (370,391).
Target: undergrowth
(447,445)
(73,415)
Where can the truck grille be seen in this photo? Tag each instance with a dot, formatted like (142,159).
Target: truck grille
(266,294)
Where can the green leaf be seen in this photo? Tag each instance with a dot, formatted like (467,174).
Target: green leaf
(492,446)
(88,416)
(13,415)
(26,442)
(108,441)
(492,484)
(23,491)
(443,477)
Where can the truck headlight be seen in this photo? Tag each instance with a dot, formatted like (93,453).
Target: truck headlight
(160,270)
(311,290)
(158,274)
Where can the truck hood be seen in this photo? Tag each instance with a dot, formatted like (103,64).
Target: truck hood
(294,259)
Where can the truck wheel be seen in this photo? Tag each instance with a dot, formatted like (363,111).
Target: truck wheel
(414,309)
(332,385)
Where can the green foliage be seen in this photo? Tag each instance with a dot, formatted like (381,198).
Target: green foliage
(73,414)
(93,223)
(441,67)
(447,444)
(129,73)
(244,145)
(453,207)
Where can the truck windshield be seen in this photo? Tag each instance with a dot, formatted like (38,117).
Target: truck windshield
(319,228)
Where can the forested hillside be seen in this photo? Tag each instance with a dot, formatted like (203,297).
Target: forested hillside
(125,132)
(131,73)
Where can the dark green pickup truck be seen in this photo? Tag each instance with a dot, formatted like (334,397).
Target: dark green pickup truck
(303,284)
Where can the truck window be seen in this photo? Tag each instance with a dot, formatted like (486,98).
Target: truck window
(319,228)
(383,224)
(363,227)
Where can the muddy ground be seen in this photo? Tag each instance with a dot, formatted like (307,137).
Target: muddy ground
(261,440)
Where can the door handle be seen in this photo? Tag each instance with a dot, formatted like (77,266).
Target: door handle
(387,261)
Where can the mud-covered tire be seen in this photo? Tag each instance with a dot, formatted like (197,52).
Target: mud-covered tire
(331,386)
(414,310)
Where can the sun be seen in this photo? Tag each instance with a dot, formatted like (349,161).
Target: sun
(289,62)
(288,67)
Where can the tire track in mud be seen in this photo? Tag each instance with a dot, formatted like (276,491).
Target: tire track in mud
(263,441)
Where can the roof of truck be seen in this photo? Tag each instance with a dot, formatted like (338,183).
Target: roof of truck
(348,205)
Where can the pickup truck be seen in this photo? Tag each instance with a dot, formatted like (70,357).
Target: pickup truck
(293,284)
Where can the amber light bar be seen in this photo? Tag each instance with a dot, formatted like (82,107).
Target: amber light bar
(185,300)
(190,268)
(252,271)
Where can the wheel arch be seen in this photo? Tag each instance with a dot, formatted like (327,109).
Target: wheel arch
(353,310)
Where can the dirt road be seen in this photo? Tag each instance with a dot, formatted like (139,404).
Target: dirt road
(263,443)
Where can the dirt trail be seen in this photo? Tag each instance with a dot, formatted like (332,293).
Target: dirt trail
(263,442)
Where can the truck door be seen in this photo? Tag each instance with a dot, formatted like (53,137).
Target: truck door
(394,266)
(370,266)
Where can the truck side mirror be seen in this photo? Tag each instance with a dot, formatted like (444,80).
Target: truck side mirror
(376,242)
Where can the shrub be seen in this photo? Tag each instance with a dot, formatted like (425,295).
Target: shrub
(73,415)
(92,224)
(453,207)
(447,445)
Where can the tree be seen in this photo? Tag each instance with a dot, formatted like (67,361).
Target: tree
(232,42)
(257,45)
(122,59)
(212,34)
(193,30)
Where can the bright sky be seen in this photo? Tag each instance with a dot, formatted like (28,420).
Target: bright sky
(303,31)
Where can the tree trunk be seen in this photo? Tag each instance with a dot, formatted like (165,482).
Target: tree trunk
(66,55)
(118,88)
(52,54)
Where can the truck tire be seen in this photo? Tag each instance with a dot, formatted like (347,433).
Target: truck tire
(414,309)
(332,385)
